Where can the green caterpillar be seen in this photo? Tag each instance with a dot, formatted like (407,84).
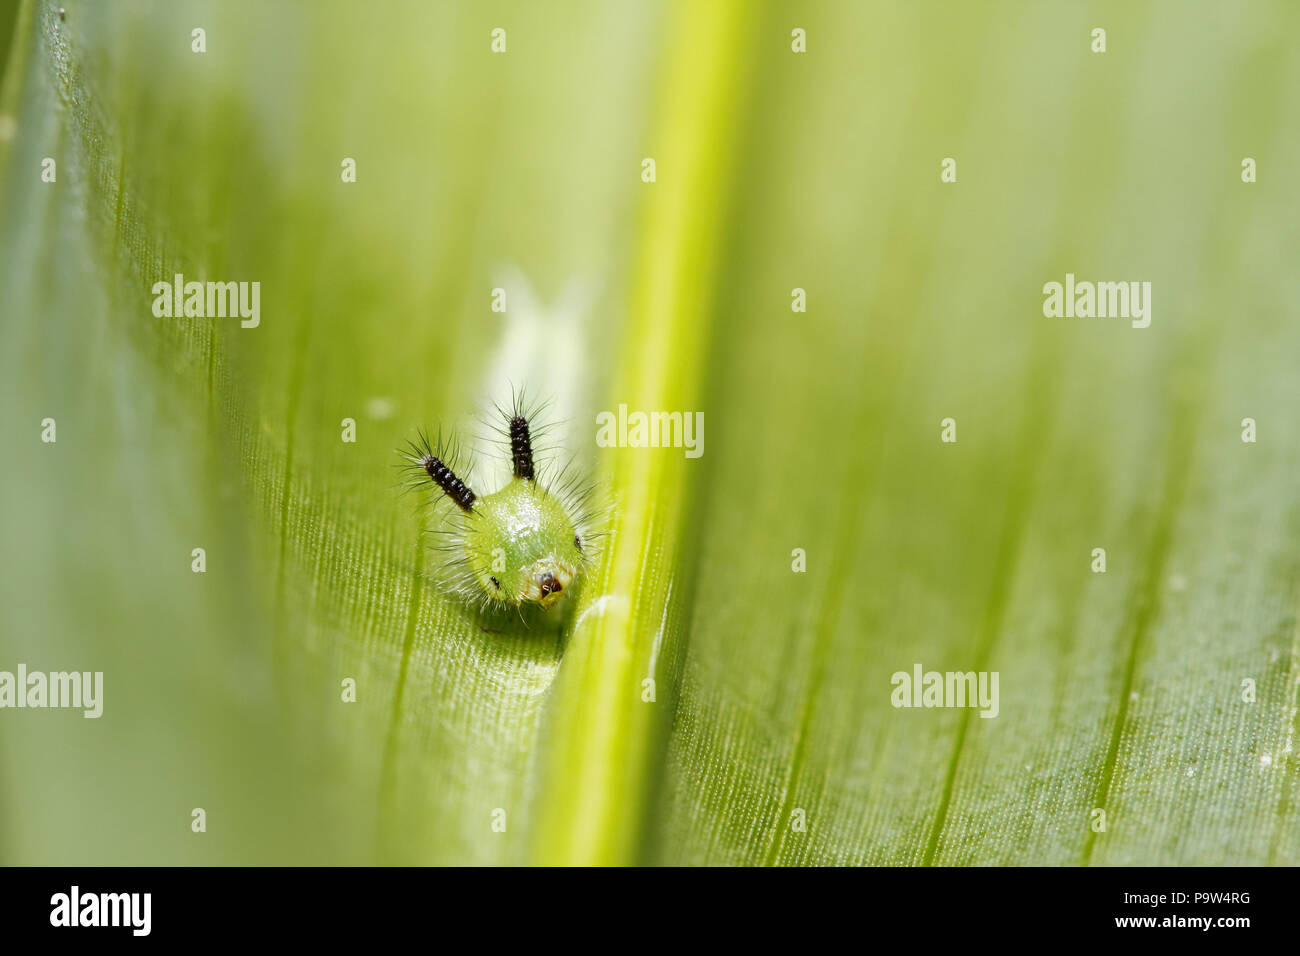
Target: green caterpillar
(528,543)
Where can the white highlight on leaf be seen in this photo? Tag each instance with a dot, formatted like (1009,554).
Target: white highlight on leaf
(380,408)
(602,605)
(663,625)
(543,348)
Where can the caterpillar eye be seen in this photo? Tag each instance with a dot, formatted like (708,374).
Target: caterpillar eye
(495,583)
(577,542)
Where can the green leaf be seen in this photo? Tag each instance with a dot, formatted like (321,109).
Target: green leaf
(767,734)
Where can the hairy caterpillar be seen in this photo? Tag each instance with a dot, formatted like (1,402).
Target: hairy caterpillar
(528,543)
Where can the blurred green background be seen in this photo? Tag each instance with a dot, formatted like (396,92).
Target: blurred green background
(775,170)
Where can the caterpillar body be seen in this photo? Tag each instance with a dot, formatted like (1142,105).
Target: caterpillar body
(529,542)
